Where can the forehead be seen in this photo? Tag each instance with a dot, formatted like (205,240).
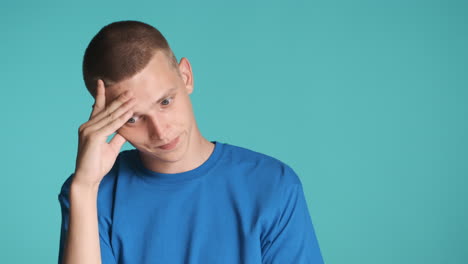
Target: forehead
(153,80)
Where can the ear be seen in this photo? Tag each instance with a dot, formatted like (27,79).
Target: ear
(186,74)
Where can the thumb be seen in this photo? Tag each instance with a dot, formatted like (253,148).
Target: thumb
(117,142)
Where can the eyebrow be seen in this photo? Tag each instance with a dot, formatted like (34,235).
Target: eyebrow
(167,93)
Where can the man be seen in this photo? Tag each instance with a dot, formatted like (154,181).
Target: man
(176,197)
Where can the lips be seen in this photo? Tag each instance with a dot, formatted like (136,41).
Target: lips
(170,145)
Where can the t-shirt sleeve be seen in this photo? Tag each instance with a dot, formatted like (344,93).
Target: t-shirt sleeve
(107,256)
(291,237)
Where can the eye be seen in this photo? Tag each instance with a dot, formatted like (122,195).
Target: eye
(166,101)
(132,120)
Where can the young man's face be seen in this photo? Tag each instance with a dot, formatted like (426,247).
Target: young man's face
(163,122)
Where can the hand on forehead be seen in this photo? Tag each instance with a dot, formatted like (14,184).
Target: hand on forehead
(114,91)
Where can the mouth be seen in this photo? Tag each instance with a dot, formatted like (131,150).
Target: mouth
(171,144)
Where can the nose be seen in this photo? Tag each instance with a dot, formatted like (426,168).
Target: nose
(157,128)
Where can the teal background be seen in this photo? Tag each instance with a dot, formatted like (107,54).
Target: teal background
(366,100)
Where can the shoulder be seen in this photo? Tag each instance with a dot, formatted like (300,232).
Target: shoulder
(264,167)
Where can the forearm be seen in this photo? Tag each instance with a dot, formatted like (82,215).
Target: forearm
(82,244)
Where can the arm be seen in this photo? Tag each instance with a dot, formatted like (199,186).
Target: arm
(82,243)
(291,238)
(80,227)
(94,160)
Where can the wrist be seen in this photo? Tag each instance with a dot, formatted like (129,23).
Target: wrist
(78,183)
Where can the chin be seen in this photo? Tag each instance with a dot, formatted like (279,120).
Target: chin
(174,154)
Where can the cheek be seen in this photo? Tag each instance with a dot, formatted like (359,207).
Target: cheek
(128,134)
(123,133)
(181,117)
(184,110)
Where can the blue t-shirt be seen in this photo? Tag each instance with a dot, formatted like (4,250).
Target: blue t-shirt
(239,206)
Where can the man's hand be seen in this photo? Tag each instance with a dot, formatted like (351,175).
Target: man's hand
(95,156)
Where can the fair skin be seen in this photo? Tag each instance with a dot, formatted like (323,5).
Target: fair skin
(131,109)
(157,123)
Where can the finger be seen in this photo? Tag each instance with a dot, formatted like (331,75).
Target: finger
(115,105)
(97,125)
(100,99)
(112,116)
(117,142)
(115,124)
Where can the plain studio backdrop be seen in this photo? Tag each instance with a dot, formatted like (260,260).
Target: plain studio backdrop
(366,100)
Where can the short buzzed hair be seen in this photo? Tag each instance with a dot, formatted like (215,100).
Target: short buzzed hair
(122,49)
